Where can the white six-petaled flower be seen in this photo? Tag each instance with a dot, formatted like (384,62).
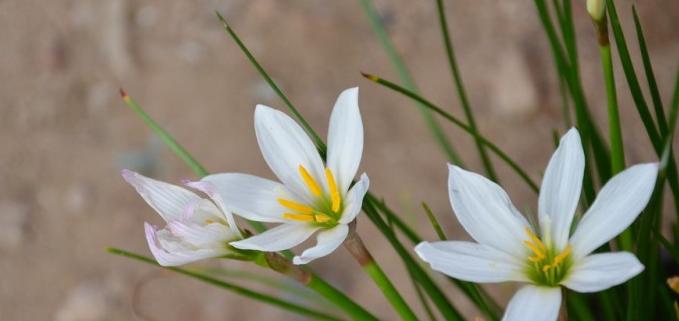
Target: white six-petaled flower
(196,228)
(313,196)
(508,248)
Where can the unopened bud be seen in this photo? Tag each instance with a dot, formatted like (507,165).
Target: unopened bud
(596,9)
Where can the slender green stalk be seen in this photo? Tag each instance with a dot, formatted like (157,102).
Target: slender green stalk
(459,86)
(286,305)
(320,145)
(339,299)
(460,124)
(355,246)
(164,136)
(650,75)
(434,222)
(407,79)
(615,132)
(448,311)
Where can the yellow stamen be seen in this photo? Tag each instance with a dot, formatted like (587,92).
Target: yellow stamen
(538,253)
(536,240)
(304,209)
(558,259)
(334,192)
(299,217)
(310,182)
(322,218)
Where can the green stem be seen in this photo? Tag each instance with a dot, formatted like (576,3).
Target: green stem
(460,124)
(355,246)
(459,86)
(290,306)
(338,298)
(165,136)
(614,128)
(407,79)
(320,145)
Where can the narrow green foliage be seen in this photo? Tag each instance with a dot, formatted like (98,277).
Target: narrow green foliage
(389,291)
(178,149)
(650,75)
(407,79)
(614,128)
(286,305)
(434,222)
(501,154)
(320,145)
(437,296)
(459,86)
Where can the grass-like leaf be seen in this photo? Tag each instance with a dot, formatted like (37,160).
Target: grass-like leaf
(286,305)
(500,153)
(407,79)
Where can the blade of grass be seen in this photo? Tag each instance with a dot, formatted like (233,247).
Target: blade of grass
(437,296)
(434,222)
(178,149)
(286,305)
(407,79)
(501,154)
(462,94)
(320,145)
(650,75)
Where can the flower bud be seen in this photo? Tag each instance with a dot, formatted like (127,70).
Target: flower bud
(596,9)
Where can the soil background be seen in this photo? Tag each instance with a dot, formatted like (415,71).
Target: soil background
(65,133)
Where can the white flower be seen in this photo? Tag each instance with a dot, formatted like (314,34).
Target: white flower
(312,196)
(509,248)
(196,228)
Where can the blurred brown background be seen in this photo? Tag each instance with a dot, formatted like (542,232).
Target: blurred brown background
(64,132)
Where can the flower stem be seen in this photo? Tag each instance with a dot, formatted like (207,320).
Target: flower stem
(614,131)
(282,265)
(355,246)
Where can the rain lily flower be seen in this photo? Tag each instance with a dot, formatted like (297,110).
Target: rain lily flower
(313,196)
(508,248)
(196,228)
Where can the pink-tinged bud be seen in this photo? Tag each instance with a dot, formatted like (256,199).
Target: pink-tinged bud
(596,9)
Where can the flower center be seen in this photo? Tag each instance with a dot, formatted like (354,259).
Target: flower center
(546,266)
(326,210)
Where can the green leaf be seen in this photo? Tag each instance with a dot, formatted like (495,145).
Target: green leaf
(286,305)
(459,87)
(492,147)
(407,79)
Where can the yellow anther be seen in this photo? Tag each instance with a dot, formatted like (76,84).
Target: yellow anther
(334,192)
(295,206)
(210,221)
(299,217)
(322,218)
(309,181)
(536,240)
(558,259)
(538,253)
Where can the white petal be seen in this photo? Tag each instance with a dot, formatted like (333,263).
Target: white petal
(533,303)
(252,197)
(170,201)
(345,138)
(486,212)
(471,261)
(285,146)
(618,204)
(281,237)
(354,200)
(209,189)
(560,190)
(178,253)
(599,272)
(326,242)
(211,235)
